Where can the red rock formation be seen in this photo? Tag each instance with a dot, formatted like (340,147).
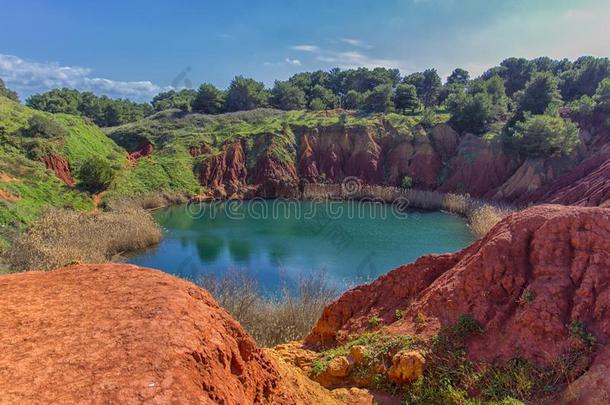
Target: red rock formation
(5,195)
(535,273)
(532,175)
(199,150)
(445,140)
(329,154)
(274,178)
(225,173)
(587,185)
(60,166)
(121,334)
(145,149)
(479,167)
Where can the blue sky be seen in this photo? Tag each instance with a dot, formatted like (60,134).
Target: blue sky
(137,48)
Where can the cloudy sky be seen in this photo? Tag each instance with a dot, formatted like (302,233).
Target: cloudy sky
(137,48)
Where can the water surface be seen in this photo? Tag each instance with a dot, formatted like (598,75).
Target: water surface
(278,241)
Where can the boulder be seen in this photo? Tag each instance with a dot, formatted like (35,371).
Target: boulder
(407,366)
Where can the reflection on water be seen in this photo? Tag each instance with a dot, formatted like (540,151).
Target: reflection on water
(353,243)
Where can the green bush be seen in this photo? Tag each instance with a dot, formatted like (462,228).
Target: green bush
(40,126)
(407,182)
(545,135)
(602,95)
(584,105)
(96,174)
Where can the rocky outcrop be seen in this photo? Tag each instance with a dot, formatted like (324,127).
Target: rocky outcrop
(224,174)
(535,274)
(122,334)
(144,149)
(530,177)
(479,167)
(60,167)
(275,178)
(329,154)
(588,184)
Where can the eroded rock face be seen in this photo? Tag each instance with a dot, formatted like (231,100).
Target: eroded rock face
(329,154)
(275,178)
(60,167)
(478,168)
(587,185)
(225,173)
(144,149)
(122,334)
(533,275)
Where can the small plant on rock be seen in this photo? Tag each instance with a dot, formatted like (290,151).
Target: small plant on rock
(579,330)
(374,321)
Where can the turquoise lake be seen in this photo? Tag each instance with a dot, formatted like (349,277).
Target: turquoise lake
(278,241)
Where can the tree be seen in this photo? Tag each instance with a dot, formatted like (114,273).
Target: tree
(96,174)
(497,92)
(322,98)
(545,135)
(470,112)
(541,94)
(209,100)
(287,96)
(602,95)
(353,100)
(517,72)
(56,101)
(87,104)
(458,76)
(8,93)
(182,100)
(405,97)
(379,99)
(39,126)
(245,94)
(431,87)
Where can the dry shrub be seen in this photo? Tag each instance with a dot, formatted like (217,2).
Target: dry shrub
(61,237)
(271,320)
(485,217)
(456,203)
(149,201)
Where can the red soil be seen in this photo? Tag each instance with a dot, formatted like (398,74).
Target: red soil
(557,257)
(122,334)
(60,166)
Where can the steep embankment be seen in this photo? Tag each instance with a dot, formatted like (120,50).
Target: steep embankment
(538,284)
(270,153)
(134,335)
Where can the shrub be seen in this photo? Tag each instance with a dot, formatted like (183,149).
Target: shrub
(602,95)
(485,217)
(407,182)
(96,173)
(545,135)
(270,320)
(61,237)
(584,105)
(40,126)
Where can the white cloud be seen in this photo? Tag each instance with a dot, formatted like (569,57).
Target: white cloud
(293,61)
(355,43)
(305,48)
(354,59)
(27,77)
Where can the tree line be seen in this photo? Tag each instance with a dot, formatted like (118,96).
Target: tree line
(522,95)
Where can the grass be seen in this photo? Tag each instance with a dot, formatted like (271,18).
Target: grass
(379,347)
(61,237)
(450,377)
(270,320)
